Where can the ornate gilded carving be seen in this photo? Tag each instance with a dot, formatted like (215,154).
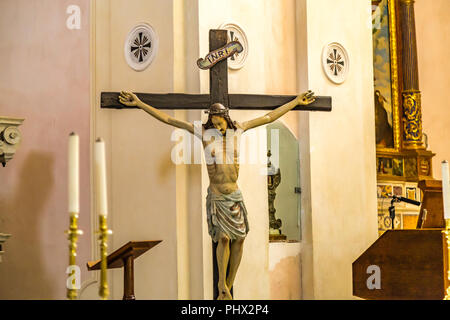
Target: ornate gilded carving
(406,107)
(424,168)
(412,120)
(412,108)
(410,167)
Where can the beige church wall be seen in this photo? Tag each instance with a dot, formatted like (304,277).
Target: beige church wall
(45,79)
(285,271)
(193,269)
(142,177)
(337,149)
(433,38)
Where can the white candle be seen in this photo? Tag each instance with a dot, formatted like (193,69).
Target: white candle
(100,169)
(73,168)
(446,189)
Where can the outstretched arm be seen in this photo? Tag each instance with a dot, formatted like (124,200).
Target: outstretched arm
(303,99)
(131,100)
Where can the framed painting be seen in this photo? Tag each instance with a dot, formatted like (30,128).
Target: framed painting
(385,72)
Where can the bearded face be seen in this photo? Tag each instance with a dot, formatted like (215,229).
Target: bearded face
(219,119)
(220,124)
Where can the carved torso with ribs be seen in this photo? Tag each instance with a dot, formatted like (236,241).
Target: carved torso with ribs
(222,160)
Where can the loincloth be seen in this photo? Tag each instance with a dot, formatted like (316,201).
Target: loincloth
(226,213)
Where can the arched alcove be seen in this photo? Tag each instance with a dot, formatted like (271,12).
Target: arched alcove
(284,148)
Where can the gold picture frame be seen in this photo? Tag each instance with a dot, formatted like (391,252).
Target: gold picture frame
(384,24)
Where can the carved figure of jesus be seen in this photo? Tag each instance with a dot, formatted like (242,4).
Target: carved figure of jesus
(226,212)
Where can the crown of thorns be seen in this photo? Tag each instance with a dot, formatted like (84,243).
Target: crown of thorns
(217,109)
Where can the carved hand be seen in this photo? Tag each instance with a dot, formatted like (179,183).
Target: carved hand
(306,98)
(129,99)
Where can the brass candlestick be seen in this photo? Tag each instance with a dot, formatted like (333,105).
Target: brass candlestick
(72,236)
(447,235)
(103,238)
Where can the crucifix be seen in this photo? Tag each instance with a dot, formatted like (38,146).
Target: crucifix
(226,212)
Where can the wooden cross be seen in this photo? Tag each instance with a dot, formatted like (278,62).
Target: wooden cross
(218,79)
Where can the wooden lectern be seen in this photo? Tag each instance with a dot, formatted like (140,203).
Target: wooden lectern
(411,264)
(432,202)
(124,257)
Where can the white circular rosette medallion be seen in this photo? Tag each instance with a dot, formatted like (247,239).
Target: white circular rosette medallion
(141,47)
(236,33)
(335,62)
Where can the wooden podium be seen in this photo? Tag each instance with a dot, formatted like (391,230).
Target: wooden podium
(412,264)
(124,257)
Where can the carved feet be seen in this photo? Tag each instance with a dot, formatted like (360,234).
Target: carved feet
(224,293)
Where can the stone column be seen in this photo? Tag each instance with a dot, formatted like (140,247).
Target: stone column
(412,108)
